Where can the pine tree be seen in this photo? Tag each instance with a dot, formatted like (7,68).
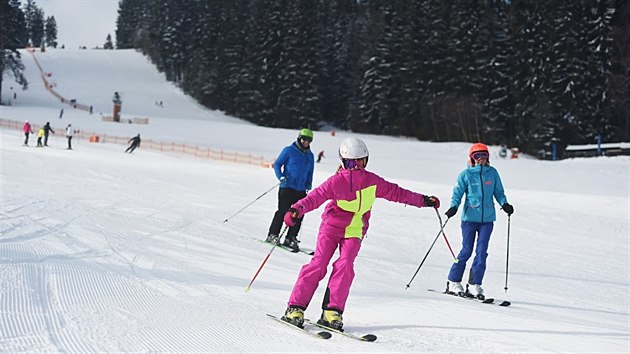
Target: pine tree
(432,29)
(50,31)
(108,42)
(132,24)
(298,103)
(198,47)
(534,124)
(37,28)
(264,66)
(369,97)
(497,90)
(619,84)
(337,57)
(596,117)
(12,29)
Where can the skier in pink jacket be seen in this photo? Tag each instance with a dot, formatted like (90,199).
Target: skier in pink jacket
(351,191)
(26,128)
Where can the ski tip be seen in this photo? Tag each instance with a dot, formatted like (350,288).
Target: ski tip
(369,338)
(505,303)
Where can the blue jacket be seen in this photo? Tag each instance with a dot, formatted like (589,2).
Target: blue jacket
(480,184)
(296,165)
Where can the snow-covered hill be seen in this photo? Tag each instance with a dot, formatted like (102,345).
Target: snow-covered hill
(102,251)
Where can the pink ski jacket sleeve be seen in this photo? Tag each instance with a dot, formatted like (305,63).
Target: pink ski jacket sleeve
(352,194)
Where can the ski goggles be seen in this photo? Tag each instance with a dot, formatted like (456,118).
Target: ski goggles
(306,138)
(353,164)
(480,155)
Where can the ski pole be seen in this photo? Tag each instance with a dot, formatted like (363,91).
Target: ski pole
(245,207)
(507,255)
(444,234)
(425,256)
(266,258)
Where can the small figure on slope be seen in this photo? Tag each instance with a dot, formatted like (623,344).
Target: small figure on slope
(26,128)
(135,142)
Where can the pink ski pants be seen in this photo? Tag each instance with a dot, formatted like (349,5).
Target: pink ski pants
(342,270)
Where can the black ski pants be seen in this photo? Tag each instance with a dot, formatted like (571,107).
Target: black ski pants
(286,198)
(131,148)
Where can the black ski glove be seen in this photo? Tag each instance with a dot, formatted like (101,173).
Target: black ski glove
(451,212)
(508,209)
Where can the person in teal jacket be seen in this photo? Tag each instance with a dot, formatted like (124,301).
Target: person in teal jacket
(294,169)
(480,182)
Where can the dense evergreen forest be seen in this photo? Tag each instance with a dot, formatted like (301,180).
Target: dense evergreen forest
(525,73)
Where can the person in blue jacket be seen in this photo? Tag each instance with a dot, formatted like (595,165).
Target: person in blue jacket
(294,169)
(480,182)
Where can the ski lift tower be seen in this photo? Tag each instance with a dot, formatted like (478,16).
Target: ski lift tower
(117,106)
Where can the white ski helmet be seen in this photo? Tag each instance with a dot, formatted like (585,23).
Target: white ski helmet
(353,149)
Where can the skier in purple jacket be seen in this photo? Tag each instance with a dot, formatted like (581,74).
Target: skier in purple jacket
(345,221)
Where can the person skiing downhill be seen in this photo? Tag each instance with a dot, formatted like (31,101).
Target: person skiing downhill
(135,142)
(320,156)
(480,182)
(345,221)
(294,169)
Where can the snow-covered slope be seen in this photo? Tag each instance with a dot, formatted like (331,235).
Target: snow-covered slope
(102,251)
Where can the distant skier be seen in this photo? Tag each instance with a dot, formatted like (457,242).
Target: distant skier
(135,142)
(320,156)
(26,128)
(61,113)
(480,182)
(503,151)
(69,133)
(40,134)
(47,130)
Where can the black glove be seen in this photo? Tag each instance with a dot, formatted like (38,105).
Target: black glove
(508,209)
(451,212)
(431,201)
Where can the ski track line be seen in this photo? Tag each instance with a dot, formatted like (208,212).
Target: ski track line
(23,318)
(138,297)
(65,290)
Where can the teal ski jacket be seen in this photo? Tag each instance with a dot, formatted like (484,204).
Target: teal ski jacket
(481,184)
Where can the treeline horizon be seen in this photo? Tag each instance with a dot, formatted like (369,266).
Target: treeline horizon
(523,73)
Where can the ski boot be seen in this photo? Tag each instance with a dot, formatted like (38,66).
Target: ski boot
(476,291)
(295,316)
(331,319)
(273,239)
(455,288)
(292,244)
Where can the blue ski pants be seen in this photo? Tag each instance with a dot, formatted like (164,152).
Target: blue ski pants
(471,231)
